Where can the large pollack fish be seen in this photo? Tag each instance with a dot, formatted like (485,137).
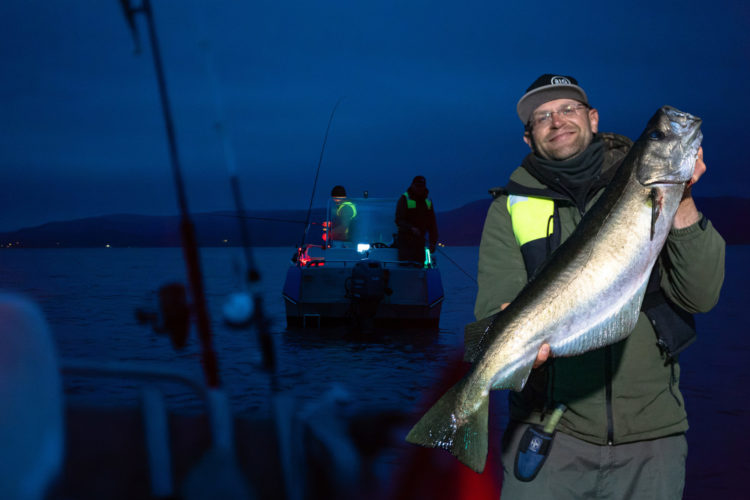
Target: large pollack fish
(586,296)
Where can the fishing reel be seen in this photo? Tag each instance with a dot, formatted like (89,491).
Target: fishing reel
(173,315)
(244,309)
(238,309)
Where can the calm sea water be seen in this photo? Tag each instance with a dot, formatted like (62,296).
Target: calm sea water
(89,297)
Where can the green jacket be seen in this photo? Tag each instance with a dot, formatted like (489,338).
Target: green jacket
(645,401)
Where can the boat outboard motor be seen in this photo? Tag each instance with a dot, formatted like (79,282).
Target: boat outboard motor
(367,288)
(368,280)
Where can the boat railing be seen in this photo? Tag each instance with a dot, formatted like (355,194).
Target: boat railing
(316,256)
(154,412)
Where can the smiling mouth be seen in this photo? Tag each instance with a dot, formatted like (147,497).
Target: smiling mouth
(561,135)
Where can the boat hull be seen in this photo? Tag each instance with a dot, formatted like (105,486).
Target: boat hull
(321,295)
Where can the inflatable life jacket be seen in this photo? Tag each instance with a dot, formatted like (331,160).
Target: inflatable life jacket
(536,223)
(340,227)
(345,204)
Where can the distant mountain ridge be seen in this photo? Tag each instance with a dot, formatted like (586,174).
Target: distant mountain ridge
(459,227)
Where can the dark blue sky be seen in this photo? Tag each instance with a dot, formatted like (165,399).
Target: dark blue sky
(429,87)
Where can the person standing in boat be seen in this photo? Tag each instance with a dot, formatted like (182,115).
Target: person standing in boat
(415,217)
(343,214)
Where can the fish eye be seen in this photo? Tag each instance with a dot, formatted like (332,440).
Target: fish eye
(656,135)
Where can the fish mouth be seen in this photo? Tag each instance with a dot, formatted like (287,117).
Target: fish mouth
(688,126)
(681,121)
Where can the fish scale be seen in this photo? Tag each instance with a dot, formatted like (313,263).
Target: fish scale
(612,329)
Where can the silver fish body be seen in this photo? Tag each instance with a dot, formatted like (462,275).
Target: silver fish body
(586,296)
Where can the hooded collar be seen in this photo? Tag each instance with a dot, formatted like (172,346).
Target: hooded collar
(524,182)
(573,177)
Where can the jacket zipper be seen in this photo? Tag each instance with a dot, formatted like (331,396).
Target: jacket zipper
(608,393)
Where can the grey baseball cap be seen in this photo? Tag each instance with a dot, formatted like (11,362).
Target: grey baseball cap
(549,87)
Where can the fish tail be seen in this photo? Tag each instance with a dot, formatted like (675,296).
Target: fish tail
(465,437)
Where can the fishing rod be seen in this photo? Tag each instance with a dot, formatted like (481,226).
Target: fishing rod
(317,172)
(187,228)
(242,309)
(454,263)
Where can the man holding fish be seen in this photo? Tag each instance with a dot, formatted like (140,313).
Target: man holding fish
(618,431)
(592,261)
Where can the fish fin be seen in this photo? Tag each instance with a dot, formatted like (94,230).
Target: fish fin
(655,209)
(471,438)
(474,338)
(466,439)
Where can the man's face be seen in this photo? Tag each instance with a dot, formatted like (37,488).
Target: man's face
(562,137)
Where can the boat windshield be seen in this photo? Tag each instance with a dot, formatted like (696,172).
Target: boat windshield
(361,221)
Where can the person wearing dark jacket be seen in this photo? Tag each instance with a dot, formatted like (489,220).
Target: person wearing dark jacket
(415,218)
(623,432)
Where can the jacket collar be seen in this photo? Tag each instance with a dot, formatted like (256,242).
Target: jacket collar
(522,182)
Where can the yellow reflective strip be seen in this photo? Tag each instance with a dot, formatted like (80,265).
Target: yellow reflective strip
(530,217)
(413,203)
(409,202)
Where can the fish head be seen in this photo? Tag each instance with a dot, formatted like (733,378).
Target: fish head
(668,147)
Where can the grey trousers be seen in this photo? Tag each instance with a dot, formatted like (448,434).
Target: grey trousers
(575,469)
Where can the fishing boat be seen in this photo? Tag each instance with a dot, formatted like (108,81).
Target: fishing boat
(352,274)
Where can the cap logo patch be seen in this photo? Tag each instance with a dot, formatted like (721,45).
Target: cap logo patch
(560,80)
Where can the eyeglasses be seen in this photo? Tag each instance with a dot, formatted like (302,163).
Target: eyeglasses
(544,118)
